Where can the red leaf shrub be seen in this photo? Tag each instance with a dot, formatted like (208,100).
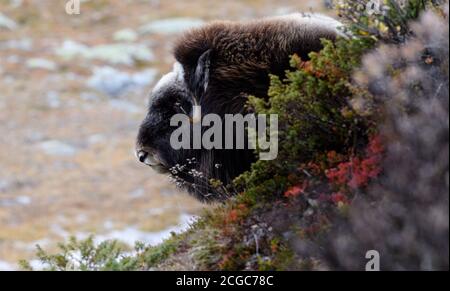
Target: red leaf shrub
(358,171)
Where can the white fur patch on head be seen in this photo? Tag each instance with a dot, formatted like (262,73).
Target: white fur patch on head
(177,75)
(313,19)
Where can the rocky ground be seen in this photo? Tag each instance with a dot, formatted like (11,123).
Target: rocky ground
(73,90)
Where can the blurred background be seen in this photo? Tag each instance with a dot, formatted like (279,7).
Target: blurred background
(73,90)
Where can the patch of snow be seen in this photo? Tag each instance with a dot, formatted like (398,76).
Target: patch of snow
(115,83)
(39,63)
(57,148)
(7,23)
(71,49)
(117,54)
(125,54)
(170,25)
(131,235)
(23,200)
(125,35)
(37,265)
(5,266)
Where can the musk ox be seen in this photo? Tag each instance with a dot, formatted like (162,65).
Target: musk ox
(218,66)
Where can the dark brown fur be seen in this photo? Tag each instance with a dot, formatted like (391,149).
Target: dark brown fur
(244,54)
(224,63)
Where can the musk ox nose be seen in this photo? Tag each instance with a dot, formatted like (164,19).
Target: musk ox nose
(142,155)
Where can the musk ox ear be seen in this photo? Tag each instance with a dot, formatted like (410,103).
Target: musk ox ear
(200,78)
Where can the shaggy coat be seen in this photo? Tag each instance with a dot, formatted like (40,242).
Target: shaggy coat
(218,67)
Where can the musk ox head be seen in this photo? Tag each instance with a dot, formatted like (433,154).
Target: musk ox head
(192,169)
(218,66)
(169,97)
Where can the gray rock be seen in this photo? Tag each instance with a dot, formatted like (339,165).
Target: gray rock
(115,83)
(57,148)
(7,23)
(43,64)
(125,35)
(116,54)
(170,25)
